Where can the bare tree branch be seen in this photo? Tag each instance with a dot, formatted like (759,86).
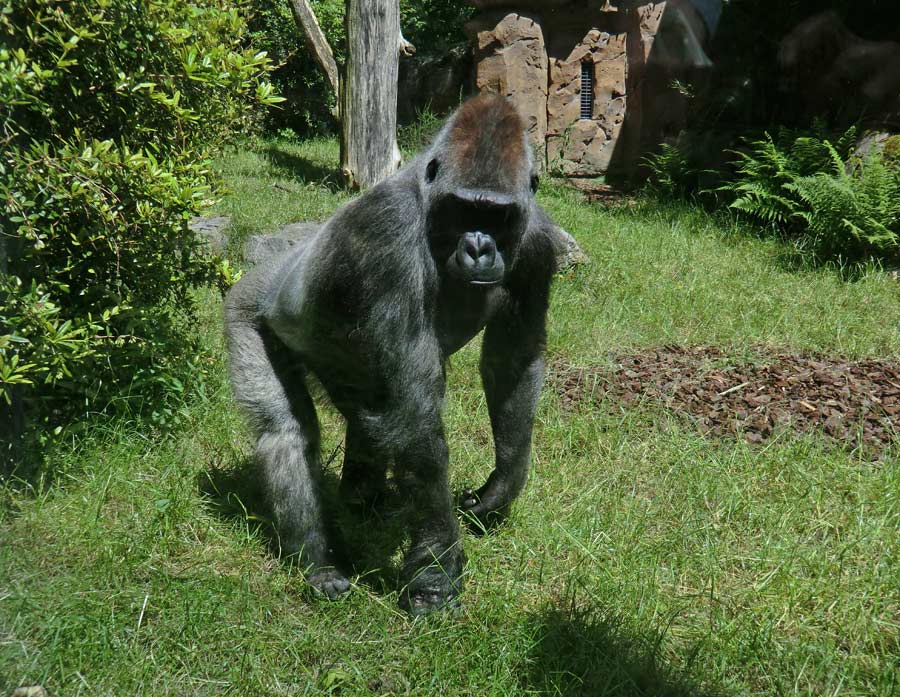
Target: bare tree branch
(406,48)
(318,44)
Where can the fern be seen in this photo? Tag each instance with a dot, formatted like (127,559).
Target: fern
(670,172)
(819,193)
(762,175)
(854,210)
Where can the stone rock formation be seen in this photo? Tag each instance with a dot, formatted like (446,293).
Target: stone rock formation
(511,59)
(436,83)
(585,146)
(259,247)
(533,52)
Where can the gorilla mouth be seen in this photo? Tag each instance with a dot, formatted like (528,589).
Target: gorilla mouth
(480,277)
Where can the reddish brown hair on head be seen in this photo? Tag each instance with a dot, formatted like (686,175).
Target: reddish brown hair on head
(487,134)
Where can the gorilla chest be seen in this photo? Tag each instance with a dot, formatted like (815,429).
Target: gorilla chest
(461,314)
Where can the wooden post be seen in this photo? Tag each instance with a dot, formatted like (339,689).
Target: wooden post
(369,150)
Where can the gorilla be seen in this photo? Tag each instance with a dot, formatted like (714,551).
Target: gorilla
(372,305)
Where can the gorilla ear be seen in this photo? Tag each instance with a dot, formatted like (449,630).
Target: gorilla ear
(535,182)
(431,171)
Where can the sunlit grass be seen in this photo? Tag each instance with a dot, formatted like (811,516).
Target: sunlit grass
(641,560)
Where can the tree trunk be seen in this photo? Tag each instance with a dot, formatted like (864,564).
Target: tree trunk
(369,150)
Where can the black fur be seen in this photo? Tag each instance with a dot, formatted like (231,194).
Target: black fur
(373,304)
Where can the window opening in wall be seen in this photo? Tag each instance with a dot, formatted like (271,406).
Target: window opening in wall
(587,90)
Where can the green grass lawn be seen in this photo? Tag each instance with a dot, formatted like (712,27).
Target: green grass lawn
(641,560)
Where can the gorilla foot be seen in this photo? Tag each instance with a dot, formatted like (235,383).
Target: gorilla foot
(435,587)
(329,582)
(426,600)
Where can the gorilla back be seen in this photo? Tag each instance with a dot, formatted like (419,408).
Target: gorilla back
(373,304)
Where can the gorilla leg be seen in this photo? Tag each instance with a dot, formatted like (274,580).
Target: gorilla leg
(432,569)
(269,384)
(363,476)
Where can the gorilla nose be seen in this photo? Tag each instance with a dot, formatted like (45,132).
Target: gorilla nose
(478,250)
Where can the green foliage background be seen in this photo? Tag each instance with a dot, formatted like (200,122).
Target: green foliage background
(108,110)
(431,25)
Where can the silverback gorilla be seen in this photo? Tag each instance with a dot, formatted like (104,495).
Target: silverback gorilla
(373,305)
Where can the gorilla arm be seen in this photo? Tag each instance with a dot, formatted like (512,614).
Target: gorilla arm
(512,372)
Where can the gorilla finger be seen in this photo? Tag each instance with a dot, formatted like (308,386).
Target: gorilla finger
(330,583)
(468,499)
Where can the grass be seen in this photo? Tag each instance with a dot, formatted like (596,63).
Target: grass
(641,560)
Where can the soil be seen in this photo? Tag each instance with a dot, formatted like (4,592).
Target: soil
(600,192)
(854,402)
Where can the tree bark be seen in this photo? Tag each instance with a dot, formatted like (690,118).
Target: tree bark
(318,44)
(369,150)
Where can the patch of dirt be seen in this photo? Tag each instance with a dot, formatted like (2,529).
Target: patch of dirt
(750,398)
(599,192)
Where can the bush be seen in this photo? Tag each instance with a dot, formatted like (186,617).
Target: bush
(818,193)
(670,174)
(108,110)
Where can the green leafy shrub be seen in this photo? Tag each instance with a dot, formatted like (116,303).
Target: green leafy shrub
(108,110)
(819,194)
(853,210)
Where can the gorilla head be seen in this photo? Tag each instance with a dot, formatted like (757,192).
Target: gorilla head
(477,181)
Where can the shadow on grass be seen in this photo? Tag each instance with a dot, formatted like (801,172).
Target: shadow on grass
(365,541)
(590,652)
(302,169)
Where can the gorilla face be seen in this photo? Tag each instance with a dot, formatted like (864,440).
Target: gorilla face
(475,233)
(478,185)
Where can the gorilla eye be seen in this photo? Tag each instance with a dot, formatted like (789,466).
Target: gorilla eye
(431,171)
(535,182)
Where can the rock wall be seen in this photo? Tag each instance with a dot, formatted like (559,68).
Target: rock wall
(511,59)
(437,83)
(577,146)
(532,52)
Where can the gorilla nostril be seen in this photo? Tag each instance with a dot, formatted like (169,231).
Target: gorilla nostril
(487,254)
(476,249)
